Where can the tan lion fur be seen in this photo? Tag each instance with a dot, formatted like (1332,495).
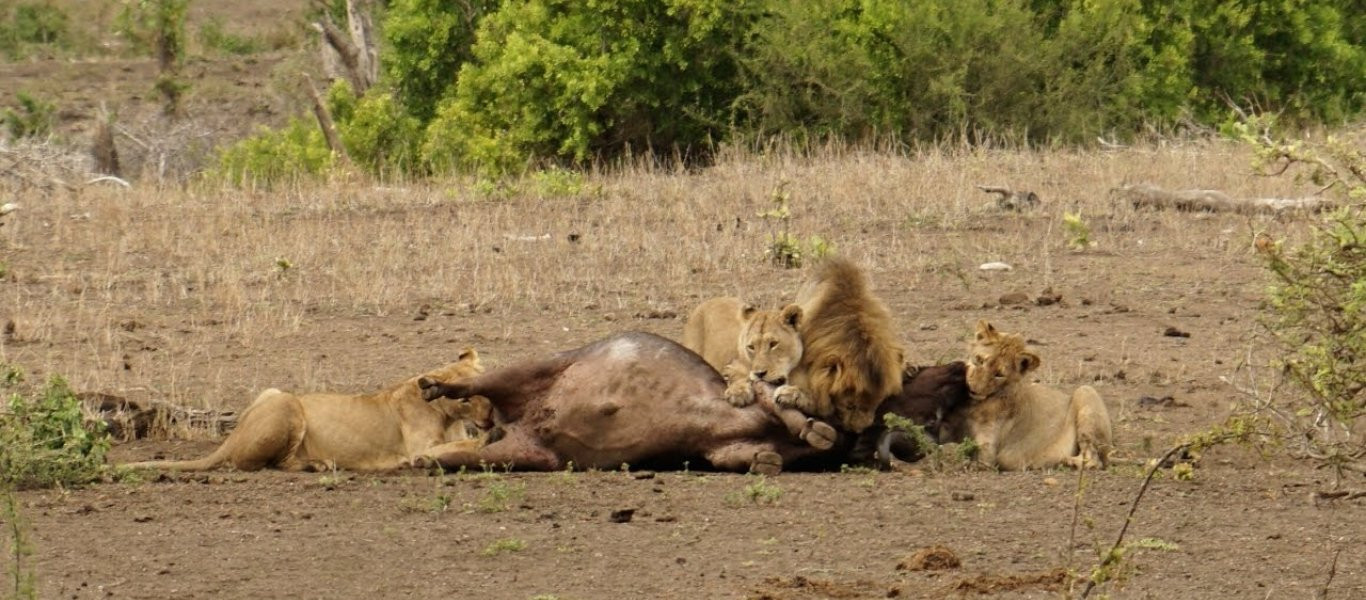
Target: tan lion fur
(1018,424)
(745,344)
(713,328)
(366,432)
(851,360)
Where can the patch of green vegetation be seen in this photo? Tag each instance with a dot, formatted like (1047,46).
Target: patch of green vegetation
(32,118)
(45,440)
(21,578)
(214,37)
(759,491)
(500,496)
(503,546)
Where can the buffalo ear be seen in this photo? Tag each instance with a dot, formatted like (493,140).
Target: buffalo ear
(792,315)
(1028,362)
(985,331)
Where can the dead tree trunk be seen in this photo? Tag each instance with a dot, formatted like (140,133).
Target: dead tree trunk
(354,50)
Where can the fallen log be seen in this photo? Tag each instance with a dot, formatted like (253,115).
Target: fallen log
(1144,195)
(126,419)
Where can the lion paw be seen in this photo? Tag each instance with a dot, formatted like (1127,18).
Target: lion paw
(789,396)
(766,463)
(740,394)
(819,434)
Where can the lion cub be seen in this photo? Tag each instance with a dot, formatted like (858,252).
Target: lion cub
(366,432)
(1018,424)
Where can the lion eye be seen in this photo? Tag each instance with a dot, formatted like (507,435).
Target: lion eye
(750,347)
(772,344)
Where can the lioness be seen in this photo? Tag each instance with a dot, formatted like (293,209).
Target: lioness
(370,432)
(752,347)
(1019,424)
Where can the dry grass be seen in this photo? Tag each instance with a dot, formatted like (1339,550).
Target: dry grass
(180,280)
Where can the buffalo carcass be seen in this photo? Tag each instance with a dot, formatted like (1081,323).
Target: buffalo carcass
(630,398)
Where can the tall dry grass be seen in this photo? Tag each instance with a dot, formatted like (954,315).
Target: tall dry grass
(208,294)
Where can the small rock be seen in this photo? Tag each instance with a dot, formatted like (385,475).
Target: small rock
(1174,332)
(574,237)
(643,475)
(995,266)
(963,496)
(1014,299)
(1050,481)
(622,516)
(933,558)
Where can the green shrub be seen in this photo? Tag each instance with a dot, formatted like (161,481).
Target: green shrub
(33,118)
(565,80)
(40,23)
(46,441)
(1317,305)
(425,42)
(214,37)
(271,157)
(375,130)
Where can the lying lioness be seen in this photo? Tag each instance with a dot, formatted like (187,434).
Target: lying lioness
(369,432)
(1018,424)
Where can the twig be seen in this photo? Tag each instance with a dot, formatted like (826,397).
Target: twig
(1129,518)
(1332,572)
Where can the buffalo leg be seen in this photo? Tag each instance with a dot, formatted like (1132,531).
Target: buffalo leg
(746,456)
(514,452)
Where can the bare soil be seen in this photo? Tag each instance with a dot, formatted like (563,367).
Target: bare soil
(181,295)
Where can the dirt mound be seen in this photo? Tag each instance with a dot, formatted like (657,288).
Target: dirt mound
(994,584)
(932,558)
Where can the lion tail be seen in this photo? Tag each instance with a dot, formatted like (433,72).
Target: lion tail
(210,462)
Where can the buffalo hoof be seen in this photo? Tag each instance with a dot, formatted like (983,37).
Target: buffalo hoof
(819,434)
(431,388)
(767,463)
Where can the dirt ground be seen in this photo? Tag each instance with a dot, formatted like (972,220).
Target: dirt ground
(204,297)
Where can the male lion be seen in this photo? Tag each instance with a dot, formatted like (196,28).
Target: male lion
(369,432)
(849,360)
(1018,424)
(752,347)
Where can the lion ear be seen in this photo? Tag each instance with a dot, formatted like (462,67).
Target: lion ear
(984,330)
(469,355)
(748,311)
(792,315)
(1028,362)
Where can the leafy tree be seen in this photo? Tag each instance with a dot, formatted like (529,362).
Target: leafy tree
(566,79)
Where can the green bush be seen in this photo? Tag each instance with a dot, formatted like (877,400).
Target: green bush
(46,441)
(33,118)
(214,37)
(377,133)
(425,42)
(40,23)
(271,157)
(565,80)
(1317,306)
